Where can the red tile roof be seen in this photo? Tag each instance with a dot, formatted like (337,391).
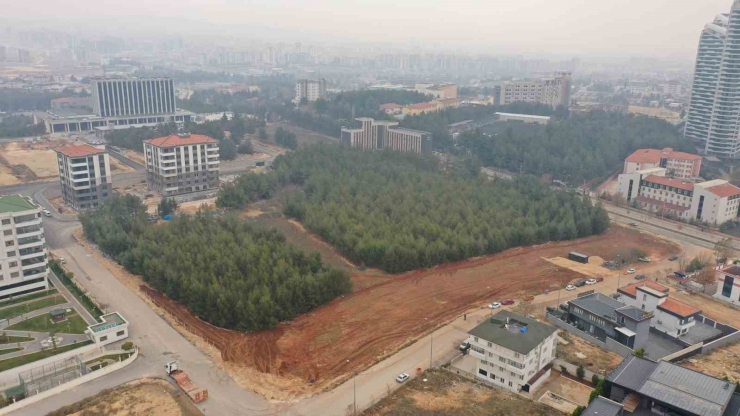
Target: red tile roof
(676,183)
(654,155)
(668,205)
(422,106)
(724,190)
(390,106)
(80,150)
(175,140)
(678,308)
(632,289)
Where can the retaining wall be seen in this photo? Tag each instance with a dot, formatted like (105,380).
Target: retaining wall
(610,344)
(558,365)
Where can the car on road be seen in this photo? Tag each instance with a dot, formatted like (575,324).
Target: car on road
(591,281)
(402,377)
(507,302)
(631,270)
(46,212)
(570,287)
(464,347)
(494,305)
(673,258)
(564,306)
(633,224)
(581,283)
(639,276)
(599,279)
(644,259)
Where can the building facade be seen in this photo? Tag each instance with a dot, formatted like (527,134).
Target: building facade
(554,91)
(84,174)
(133,97)
(728,284)
(182,163)
(678,164)
(383,134)
(669,316)
(23,262)
(512,351)
(310,89)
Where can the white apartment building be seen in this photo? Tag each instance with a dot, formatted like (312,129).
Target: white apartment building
(728,284)
(553,91)
(512,351)
(380,134)
(182,163)
(669,316)
(84,174)
(23,261)
(715,201)
(310,89)
(666,195)
(678,164)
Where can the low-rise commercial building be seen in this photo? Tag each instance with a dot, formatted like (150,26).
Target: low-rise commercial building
(182,163)
(113,328)
(524,118)
(513,352)
(678,164)
(84,175)
(23,262)
(383,134)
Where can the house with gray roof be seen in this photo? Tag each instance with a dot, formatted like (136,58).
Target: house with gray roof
(601,406)
(646,387)
(602,317)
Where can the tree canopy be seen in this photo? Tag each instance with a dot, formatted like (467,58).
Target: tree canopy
(227,272)
(20,126)
(399,212)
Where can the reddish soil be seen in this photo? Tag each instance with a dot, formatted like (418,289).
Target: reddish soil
(376,321)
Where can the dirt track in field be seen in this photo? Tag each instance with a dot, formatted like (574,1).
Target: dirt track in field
(377,320)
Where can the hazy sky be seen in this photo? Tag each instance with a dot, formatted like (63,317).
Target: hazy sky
(663,28)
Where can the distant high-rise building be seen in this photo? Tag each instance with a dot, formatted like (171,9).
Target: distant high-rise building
(706,77)
(309,89)
(554,91)
(130,97)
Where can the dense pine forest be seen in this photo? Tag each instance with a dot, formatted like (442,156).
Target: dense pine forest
(400,212)
(227,272)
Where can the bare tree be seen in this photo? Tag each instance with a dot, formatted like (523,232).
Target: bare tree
(723,248)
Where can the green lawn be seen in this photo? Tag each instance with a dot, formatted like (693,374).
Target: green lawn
(9,350)
(9,339)
(17,310)
(42,323)
(29,358)
(25,298)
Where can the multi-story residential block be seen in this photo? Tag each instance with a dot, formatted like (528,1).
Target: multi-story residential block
(603,317)
(310,89)
(386,135)
(182,163)
(513,351)
(553,91)
(84,174)
(678,164)
(728,284)
(715,201)
(23,263)
(669,316)
(666,196)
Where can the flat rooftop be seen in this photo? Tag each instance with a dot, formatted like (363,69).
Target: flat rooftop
(15,203)
(523,115)
(110,320)
(521,334)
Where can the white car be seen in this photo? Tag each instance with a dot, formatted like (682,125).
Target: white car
(46,212)
(631,270)
(591,281)
(570,287)
(402,377)
(644,259)
(494,305)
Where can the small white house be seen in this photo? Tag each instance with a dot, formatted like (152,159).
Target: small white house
(669,316)
(113,328)
(728,284)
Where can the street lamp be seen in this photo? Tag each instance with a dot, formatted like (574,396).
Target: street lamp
(354,389)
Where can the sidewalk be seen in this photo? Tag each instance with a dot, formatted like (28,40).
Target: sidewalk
(73,300)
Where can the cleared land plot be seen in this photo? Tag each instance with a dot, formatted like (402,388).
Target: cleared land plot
(563,393)
(117,167)
(17,310)
(42,323)
(598,360)
(445,393)
(40,159)
(377,320)
(145,397)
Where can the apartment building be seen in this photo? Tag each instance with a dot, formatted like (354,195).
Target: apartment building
(715,201)
(23,264)
(669,316)
(728,284)
(666,195)
(553,91)
(381,134)
(512,351)
(678,164)
(182,163)
(310,89)
(84,174)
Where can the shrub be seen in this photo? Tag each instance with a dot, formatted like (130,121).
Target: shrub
(564,369)
(595,379)
(579,410)
(580,371)
(640,352)
(127,346)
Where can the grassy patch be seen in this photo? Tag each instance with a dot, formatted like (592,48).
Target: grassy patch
(17,310)
(9,350)
(26,298)
(66,279)
(42,323)
(9,339)
(29,358)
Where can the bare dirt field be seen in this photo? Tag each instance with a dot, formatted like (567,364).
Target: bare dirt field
(598,360)
(444,393)
(28,162)
(310,353)
(563,393)
(303,136)
(145,397)
(117,167)
(137,157)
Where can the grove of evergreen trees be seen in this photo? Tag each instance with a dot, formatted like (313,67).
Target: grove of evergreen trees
(399,212)
(227,272)
(20,126)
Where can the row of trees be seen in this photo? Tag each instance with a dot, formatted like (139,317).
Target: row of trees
(580,148)
(399,212)
(227,272)
(12,100)
(20,126)
(285,138)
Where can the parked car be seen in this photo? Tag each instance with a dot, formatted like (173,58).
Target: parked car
(639,276)
(591,281)
(673,258)
(581,283)
(402,377)
(46,212)
(464,347)
(494,305)
(507,302)
(551,309)
(599,279)
(644,259)
(570,287)
(631,270)
(563,306)
(633,224)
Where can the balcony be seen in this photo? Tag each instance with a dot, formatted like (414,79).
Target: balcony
(30,231)
(29,253)
(30,242)
(33,262)
(27,219)
(33,272)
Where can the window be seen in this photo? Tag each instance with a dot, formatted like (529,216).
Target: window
(11,254)
(6,222)
(480,370)
(510,384)
(104,338)
(644,297)
(13,264)
(14,275)
(8,232)
(502,359)
(120,333)
(490,345)
(475,339)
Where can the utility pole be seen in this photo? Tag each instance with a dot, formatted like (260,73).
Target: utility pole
(431,344)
